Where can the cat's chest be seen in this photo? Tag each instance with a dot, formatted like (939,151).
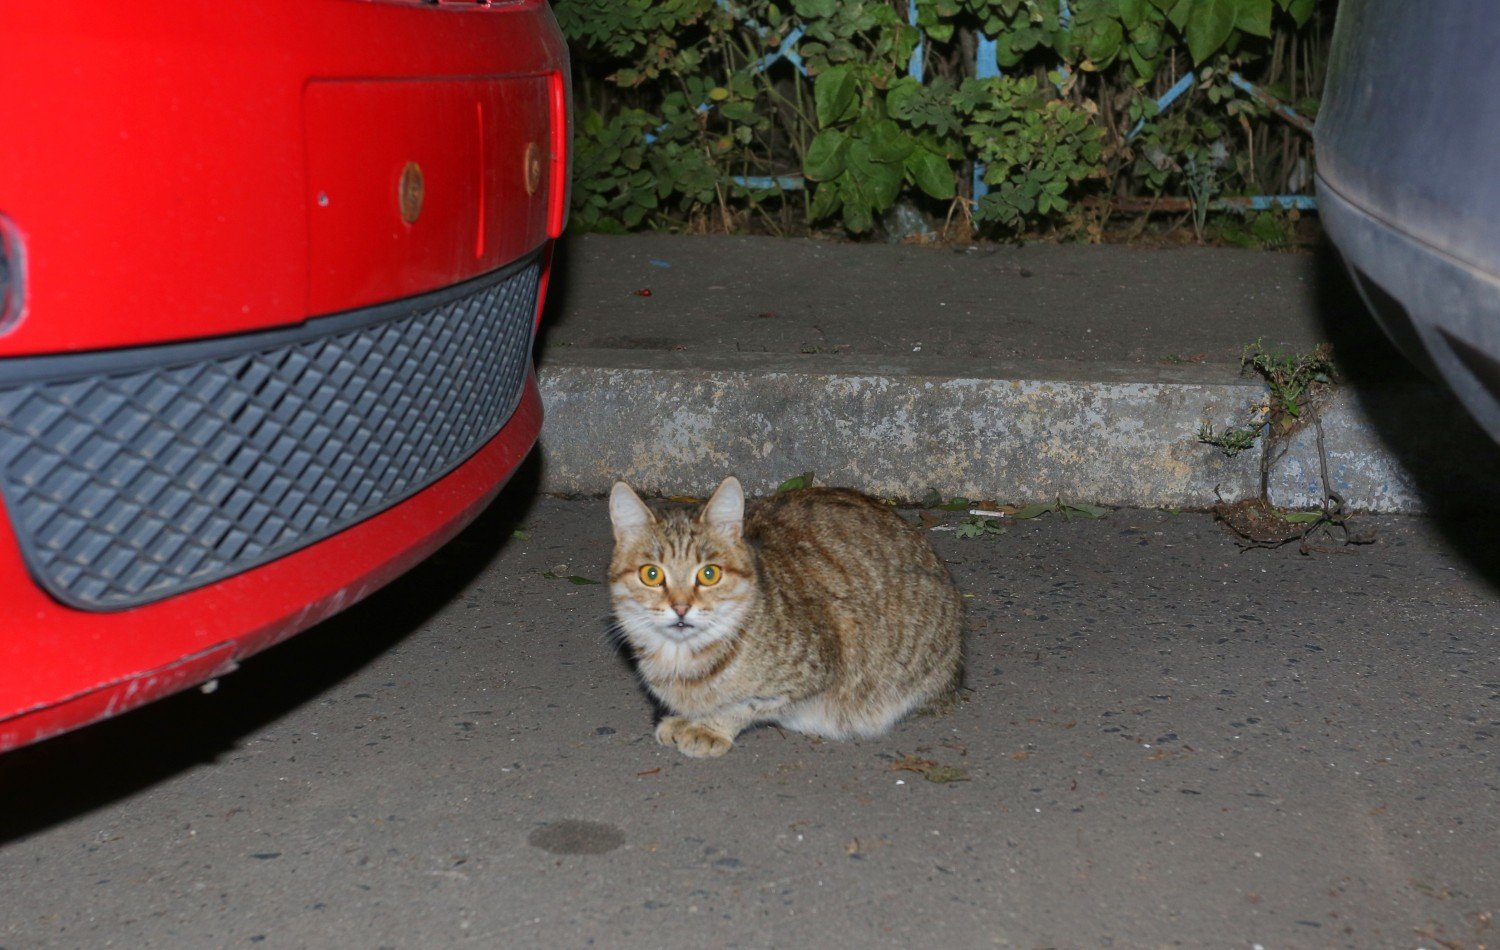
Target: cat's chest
(686,677)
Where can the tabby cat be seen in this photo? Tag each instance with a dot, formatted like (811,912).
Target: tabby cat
(818,609)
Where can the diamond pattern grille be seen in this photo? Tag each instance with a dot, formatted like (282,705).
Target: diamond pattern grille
(129,486)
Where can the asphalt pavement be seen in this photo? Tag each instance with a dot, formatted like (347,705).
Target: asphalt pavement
(1166,741)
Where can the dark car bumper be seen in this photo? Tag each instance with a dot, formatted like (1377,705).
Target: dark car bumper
(1408,184)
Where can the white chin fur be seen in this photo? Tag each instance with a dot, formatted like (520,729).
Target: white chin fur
(653,629)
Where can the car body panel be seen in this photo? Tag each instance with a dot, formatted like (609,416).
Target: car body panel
(1408,186)
(161,182)
(74,667)
(473,141)
(135,208)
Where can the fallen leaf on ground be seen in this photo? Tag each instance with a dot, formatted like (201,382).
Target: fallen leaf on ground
(934,499)
(1047,722)
(930,770)
(804,480)
(1067,509)
(560,573)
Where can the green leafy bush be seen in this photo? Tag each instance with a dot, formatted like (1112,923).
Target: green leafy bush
(688,117)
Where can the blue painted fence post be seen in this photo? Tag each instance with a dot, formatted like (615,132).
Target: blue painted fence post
(986,66)
(914,68)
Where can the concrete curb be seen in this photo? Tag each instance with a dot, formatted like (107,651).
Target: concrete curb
(1013,374)
(898,431)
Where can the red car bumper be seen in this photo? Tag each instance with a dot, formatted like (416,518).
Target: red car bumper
(271,274)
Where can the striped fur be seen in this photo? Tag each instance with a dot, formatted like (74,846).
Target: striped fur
(833,617)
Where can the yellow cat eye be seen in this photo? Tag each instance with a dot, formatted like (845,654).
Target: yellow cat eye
(710,574)
(652,576)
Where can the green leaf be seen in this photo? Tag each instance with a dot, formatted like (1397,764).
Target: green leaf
(978,527)
(1209,25)
(900,94)
(825,201)
(815,9)
(834,95)
(884,185)
(934,499)
(804,480)
(889,143)
(1132,13)
(1254,16)
(932,174)
(825,155)
(857,216)
(1032,511)
(554,575)
(740,112)
(879,183)
(1104,42)
(946,773)
(1079,510)
(1301,10)
(1145,65)
(1302,517)
(520,534)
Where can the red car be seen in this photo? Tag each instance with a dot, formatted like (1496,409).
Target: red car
(269,278)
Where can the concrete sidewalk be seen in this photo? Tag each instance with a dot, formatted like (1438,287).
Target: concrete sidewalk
(1008,373)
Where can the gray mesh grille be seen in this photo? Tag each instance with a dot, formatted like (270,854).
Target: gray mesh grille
(135,475)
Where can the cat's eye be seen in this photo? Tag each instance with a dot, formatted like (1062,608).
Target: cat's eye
(709,574)
(652,576)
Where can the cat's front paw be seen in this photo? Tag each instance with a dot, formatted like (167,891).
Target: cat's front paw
(692,739)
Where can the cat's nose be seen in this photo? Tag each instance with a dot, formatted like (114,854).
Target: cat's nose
(682,609)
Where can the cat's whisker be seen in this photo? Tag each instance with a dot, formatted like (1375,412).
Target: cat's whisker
(614,631)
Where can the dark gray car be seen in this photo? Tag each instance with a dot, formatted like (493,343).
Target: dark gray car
(1408,144)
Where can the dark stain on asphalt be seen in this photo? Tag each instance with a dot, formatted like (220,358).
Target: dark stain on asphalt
(572,836)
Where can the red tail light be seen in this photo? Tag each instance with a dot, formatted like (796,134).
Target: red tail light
(560,172)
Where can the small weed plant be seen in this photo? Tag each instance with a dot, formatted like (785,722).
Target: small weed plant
(1297,385)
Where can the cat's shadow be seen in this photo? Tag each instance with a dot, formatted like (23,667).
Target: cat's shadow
(81,771)
(627,662)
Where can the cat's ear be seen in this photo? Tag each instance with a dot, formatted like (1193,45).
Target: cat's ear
(627,512)
(726,509)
